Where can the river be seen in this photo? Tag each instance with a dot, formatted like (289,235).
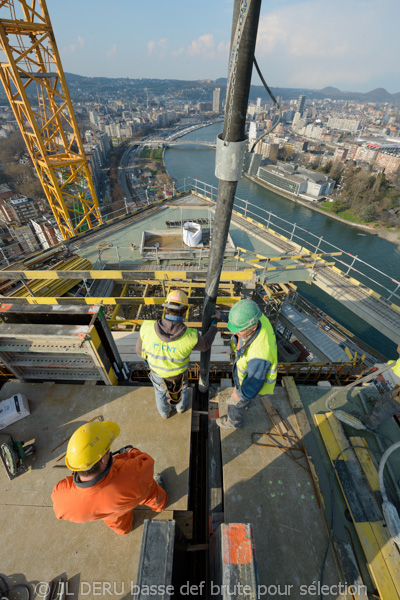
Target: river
(198,162)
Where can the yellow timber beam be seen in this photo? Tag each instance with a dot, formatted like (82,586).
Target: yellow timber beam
(378,546)
(123,294)
(145,272)
(127,301)
(289,256)
(296,266)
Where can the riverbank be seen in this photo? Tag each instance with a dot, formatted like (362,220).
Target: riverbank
(390,236)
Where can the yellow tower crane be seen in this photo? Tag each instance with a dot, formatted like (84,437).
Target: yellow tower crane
(34,81)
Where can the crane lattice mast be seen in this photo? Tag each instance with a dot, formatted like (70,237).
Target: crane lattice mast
(34,81)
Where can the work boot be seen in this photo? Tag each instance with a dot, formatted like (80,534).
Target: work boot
(159,479)
(385,407)
(167,416)
(225,423)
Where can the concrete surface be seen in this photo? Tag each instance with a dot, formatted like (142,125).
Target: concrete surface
(268,489)
(35,546)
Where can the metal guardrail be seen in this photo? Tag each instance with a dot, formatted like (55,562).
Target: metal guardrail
(388,288)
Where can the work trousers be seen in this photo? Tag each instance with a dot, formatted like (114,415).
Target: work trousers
(156,500)
(160,389)
(236,410)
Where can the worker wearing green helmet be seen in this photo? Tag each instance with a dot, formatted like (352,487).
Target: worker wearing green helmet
(256,360)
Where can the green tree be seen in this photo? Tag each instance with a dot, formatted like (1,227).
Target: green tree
(338,206)
(367,213)
(12,148)
(336,170)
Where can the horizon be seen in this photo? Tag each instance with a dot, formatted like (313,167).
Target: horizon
(301,44)
(216,81)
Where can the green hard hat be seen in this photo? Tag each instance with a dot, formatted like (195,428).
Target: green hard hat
(243,315)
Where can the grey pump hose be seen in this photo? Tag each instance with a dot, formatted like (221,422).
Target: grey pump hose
(365,379)
(389,511)
(382,463)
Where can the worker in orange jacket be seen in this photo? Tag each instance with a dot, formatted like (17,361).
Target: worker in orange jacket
(104,486)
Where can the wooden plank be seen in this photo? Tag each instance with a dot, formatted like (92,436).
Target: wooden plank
(121,336)
(284,287)
(350,568)
(267,290)
(194,357)
(367,462)
(304,432)
(380,551)
(292,392)
(274,416)
(131,343)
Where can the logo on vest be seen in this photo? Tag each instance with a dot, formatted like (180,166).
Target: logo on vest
(164,347)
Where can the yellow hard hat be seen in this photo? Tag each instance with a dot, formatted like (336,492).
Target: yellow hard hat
(176,299)
(89,444)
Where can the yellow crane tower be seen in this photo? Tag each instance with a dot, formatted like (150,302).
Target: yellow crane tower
(34,81)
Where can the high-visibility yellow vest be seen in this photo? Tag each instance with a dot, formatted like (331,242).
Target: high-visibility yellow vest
(166,359)
(396,368)
(264,348)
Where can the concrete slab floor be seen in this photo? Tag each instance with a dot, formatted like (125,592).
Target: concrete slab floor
(132,233)
(264,487)
(35,545)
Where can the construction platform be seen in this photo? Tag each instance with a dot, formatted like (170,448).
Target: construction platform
(288,497)
(169,244)
(267,488)
(36,547)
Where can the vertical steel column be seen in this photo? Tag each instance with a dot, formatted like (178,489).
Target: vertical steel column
(234,131)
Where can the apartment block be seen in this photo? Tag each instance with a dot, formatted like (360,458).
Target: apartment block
(389,162)
(343,124)
(18,209)
(217,100)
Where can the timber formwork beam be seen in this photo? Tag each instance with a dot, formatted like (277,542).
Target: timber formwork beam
(121,300)
(355,479)
(132,275)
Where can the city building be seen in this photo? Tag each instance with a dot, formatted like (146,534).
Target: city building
(26,238)
(46,231)
(389,163)
(297,180)
(365,154)
(217,100)
(340,154)
(350,125)
(94,117)
(254,133)
(270,151)
(298,122)
(18,209)
(300,104)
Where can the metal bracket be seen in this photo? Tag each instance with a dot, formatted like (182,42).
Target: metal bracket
(229,160)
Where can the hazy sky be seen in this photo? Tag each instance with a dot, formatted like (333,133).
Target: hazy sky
(349,44)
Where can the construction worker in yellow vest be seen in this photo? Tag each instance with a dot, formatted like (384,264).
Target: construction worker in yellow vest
(166,345)
(256,361)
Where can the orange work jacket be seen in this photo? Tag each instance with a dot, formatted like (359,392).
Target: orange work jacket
(128,483)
